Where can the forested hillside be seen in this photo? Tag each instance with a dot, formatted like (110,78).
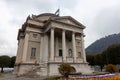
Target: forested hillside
(101,44)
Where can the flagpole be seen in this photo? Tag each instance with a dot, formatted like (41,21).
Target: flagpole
(59,6)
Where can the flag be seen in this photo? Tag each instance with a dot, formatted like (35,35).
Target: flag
(57,12)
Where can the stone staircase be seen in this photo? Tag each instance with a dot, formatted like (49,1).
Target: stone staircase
(89,69)
(37,71)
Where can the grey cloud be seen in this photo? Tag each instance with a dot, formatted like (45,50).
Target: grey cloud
(107,22)
(31,5)
(20,9)
(6,48)
(2,42)
(69,4)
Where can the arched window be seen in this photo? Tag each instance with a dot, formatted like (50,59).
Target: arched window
(70,53)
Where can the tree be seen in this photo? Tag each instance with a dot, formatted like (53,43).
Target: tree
(90,59)
(111,68)
(65,69)
(112,54)
(109,56)
(99,61)
(4,62)
(104,56)
(12,61)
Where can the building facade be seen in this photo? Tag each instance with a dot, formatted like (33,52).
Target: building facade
(47,40)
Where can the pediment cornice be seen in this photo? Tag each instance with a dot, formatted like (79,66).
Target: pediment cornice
(64,19)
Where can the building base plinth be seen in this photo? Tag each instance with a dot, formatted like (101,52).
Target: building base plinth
(48,69)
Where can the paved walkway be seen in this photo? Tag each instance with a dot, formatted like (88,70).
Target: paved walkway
(10,76)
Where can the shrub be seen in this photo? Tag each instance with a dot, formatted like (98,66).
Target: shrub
(65,69)
(111,68)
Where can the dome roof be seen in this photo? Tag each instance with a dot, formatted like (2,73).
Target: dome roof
(46,14)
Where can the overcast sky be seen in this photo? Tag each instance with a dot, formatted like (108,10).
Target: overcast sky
(101,18)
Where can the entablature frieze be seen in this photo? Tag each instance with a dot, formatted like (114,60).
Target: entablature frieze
(67,27)
(30,29)
(36,24)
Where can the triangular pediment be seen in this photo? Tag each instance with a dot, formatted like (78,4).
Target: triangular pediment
(69,20)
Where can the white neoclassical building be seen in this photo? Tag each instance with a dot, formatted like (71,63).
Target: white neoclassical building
(47,40)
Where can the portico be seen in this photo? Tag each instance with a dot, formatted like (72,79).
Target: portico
(65,54)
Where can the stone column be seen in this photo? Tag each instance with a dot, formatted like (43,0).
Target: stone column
(57,47)
(41,47)
(64,45)
(52,44)
(25,47)
(74,46)
(18,60)
(83,48)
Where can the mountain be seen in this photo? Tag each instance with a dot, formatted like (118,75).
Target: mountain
(101,44)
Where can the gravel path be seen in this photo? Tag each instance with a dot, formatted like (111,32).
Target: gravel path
(10,76)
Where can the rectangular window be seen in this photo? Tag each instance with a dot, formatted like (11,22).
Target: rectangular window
(60,52)
(33,53)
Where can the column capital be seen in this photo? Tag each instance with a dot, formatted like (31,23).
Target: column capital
(73,32)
